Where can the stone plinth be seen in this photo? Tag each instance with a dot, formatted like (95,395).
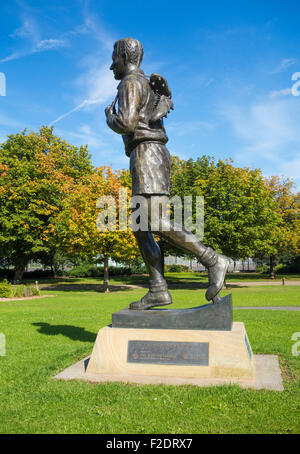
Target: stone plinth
(169,355)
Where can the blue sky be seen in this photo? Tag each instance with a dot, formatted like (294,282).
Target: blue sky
(229,65)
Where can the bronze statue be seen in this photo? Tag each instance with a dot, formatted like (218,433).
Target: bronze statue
(142,104)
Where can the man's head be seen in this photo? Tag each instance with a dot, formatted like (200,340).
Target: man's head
(127,52)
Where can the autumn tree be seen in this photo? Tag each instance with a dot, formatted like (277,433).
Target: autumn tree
(77,229)
(37,170)
(286,234)
(240,215)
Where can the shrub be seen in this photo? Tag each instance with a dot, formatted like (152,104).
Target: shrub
(88,270)
(30,290)
(5,289)
(17,291)
(262,269)
(278,267)
(290,268)
(176,268)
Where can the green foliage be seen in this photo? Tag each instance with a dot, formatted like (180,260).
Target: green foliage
(89,270)
(176,268)
(5,289)
(86,270)
(262,269)
(293,266)
(36,172)
(240,213)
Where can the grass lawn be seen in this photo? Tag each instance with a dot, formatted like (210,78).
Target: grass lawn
(45,336)
(187,292)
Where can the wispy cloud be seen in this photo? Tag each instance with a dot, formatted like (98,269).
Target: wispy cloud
(95,85)
(28,29)
(279,93)
(269,132)
(103,149)
(264,125)
(98,86)
(5,120)
(284,65)
(181,128)
(28,39)
(47,44)
(84,135)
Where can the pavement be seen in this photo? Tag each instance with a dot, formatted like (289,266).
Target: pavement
(270,308)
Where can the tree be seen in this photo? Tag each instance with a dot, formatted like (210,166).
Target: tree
(77,230)
(286,235)
(240,214)
(37,170)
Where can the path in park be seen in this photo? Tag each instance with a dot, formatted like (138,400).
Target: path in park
(270,308)
(260,283)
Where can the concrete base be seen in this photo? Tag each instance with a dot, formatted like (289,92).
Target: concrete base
(267,376)
(158,357)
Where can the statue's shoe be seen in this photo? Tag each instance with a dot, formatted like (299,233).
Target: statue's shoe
(216,277)
(152,299)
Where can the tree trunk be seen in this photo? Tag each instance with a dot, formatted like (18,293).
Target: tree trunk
(272,266)
(162,250)
(19,271)
(106,275)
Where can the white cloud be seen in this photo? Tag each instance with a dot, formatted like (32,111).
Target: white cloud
(98,86)
(98,83)
(31,42)
(270,134)
(47,44)
(5,120)
(84,136)
(292,168)
(103,149)
(279,93)
(28,29)
(181,128)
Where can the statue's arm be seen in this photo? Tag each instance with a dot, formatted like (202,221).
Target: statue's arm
(125,121)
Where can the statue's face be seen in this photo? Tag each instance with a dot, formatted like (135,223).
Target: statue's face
(118,65)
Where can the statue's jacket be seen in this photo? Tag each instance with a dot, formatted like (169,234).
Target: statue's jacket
(144,140)
(135,107)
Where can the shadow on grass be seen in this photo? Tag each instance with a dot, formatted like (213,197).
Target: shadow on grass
(84,287)
(72,332)
(173,285)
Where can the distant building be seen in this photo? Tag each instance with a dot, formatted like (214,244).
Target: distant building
(192,264)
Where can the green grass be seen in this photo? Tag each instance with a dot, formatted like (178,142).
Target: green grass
(44,336)
(182,277)
(186,293)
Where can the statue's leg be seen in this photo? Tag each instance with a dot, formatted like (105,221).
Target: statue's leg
(152,256)
(158,294)
(216,263)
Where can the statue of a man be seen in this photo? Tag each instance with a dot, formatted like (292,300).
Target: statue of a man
(139,118)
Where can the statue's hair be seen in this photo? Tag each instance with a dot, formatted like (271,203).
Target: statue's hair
(132,49)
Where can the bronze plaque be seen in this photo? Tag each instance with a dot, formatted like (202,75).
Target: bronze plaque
(160,352)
